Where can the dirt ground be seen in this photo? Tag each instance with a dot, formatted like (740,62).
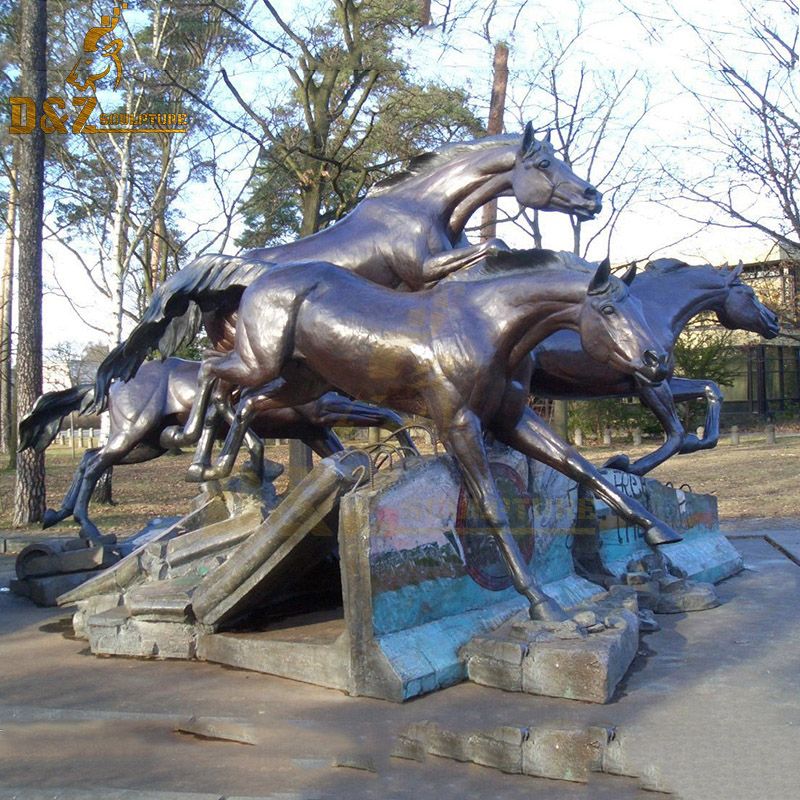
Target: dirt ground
(751,480)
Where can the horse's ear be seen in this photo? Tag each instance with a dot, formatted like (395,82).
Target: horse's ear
(547,136)
(599,282)
(630,274)
(737,270)
(528,140)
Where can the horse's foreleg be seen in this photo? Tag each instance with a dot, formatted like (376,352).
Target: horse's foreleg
(660,401)
(335,409)
(205,444)
(439,266)
(176,436)
(52,517)
(250,404)
(464,441)
(535,439)
(691,389)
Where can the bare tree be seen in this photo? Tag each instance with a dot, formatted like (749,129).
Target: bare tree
(594,115)
(746,174)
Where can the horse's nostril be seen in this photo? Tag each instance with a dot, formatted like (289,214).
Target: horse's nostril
(589,192)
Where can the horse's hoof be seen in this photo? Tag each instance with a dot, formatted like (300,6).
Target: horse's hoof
(94,538)
(197,473)
(547,610)
(659,533)
(620,462)
(271,470)
(50,518)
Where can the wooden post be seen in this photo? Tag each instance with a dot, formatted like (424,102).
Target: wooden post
(734,434)
(300,462)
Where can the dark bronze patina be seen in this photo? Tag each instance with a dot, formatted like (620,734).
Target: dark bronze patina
(161,394)
(671,293)
(450,353)
(408,230)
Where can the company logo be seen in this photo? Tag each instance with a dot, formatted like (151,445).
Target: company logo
(99,63)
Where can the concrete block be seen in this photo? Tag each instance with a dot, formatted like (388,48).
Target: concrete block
(587,668)
(495,662)
(113,633)
(34,562)
(87,608)
(448,744)
(682,595)
(500,748)
(45,591)
(568,754)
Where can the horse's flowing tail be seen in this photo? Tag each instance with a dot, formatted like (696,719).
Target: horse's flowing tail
(41,425)
(209,283)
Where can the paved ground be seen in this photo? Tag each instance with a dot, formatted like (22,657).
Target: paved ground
(710,710)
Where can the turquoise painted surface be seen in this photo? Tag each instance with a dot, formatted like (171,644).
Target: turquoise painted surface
(426,657)
(704,554)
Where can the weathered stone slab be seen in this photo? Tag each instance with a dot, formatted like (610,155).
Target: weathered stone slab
(500,748)
(46,591)
(114,633)
(282,541)
(567,753)
(422,574)
(35,561)
(581,659)
(704,555)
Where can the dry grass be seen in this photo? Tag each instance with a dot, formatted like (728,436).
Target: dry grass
(751,480)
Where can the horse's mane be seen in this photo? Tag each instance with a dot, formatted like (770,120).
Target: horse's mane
(665,265)
(426,163)
(515,261)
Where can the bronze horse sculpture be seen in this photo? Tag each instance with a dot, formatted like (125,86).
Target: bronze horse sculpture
(449,353)
(161,395)
(671,293)
(408,230)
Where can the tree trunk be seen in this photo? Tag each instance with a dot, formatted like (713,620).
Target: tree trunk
(6,308)
(494,127)
(29,495)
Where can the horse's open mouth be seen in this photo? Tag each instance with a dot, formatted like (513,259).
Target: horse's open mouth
(584,214)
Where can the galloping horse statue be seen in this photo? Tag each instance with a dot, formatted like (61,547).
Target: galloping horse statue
(448,353)
(160,395)
(408,230)
(671,293)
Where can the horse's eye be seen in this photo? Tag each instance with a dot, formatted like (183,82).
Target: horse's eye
(543,164)
(608,310)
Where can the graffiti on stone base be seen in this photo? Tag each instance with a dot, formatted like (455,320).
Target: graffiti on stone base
(473,535)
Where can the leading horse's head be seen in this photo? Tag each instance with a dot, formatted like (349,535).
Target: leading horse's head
(742,310)
(541,180)
(614,331)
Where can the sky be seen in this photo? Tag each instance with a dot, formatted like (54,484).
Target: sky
(665,56)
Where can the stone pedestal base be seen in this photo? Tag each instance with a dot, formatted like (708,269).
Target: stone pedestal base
(583,658)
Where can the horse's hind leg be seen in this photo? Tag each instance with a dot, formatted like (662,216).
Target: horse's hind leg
(96,466)
(334,409)
(465,442)
(52,517)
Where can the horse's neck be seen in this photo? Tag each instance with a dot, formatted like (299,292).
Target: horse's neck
(528,308)
(680,297)
(463,185)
